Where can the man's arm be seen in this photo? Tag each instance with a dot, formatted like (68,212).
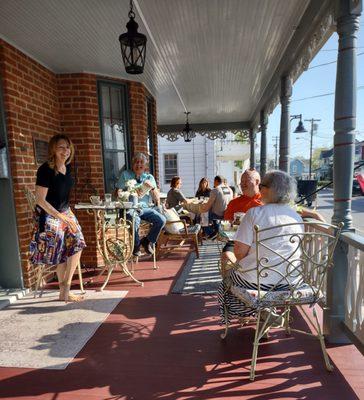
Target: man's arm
(155,193)
(205,207)
(229,212)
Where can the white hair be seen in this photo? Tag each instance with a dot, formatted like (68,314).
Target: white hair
(140,156)
(283,187)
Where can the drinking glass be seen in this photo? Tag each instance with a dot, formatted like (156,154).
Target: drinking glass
(107,198)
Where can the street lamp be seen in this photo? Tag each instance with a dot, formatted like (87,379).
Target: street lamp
(300,128)
(313,126)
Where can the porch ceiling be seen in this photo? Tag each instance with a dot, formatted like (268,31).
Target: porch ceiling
(214,58)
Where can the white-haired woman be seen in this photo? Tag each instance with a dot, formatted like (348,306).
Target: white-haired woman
(278,190)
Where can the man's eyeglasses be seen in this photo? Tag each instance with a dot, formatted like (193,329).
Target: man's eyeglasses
(262,185)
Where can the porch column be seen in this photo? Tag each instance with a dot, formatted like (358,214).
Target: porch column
(347,19)
(263,143)
(252,149)
(284,138)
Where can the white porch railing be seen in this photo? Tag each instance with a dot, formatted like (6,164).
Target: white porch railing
(354,294)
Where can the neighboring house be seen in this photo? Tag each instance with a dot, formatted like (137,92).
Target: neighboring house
(325,165)
(297,168)
(200,158)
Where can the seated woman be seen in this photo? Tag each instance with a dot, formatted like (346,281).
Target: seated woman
(175,198)
(278,189)
(203,188)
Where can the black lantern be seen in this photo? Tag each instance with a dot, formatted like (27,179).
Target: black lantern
(133,46)
(300,128)
(187,134)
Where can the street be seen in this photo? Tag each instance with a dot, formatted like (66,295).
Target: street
(325,204)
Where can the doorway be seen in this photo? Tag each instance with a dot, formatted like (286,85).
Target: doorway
(10,263)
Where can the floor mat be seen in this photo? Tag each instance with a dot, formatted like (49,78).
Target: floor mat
(200,275)
(47,333)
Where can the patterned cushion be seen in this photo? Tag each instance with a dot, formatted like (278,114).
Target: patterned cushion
(194,229)
(305,294)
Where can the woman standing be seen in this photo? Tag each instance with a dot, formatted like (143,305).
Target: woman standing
(57,238)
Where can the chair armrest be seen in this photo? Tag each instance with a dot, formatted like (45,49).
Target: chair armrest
(173,222)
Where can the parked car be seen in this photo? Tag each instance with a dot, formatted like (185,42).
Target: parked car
(357,191)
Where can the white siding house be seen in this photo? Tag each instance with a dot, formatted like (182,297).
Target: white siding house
(200,158)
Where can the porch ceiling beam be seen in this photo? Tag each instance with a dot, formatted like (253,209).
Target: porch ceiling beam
(309,37)
(207,127)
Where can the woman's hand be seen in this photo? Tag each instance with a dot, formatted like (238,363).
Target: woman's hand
(70,222)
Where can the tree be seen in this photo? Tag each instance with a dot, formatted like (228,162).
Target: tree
(316,157)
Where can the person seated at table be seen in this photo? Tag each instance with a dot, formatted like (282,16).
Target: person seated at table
(175,198)
(147,193)
(219,198)
(250,197)
(278,190)
(226,184)
(204,189)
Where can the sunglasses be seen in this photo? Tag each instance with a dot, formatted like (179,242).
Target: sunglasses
(262,185)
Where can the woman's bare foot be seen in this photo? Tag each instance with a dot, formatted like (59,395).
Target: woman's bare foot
(61,291)
(74,298)
(68,297)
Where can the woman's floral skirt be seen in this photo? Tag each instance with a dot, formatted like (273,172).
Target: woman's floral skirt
(52,241)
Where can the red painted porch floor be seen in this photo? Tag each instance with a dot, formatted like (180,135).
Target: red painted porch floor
(157,345)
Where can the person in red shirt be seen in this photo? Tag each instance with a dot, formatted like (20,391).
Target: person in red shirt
(249,184)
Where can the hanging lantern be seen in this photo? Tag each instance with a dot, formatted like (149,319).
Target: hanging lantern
(187,134)
(133,46)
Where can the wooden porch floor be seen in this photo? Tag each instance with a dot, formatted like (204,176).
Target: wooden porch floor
(157,345)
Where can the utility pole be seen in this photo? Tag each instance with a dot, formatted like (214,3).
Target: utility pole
(312,120)
(276,138)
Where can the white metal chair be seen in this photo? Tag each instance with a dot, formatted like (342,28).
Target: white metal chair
(42,271)
(301,282)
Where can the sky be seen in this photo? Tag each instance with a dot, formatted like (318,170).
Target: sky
(317,81)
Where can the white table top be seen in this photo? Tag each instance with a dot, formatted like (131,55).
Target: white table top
(113,206)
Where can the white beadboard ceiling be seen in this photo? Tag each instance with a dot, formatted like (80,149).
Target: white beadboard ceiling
(211,57)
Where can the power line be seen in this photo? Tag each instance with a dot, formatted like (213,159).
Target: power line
(359,47)
(324,95)
(331,62)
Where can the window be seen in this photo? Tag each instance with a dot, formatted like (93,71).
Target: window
(150,138)
(114,127)
(170,167)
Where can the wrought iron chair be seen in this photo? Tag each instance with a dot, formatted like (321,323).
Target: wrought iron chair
(186,234)
(42,271)
(300,280)
(144,229)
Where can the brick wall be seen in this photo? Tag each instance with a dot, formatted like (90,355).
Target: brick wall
(79,118)
(39,102)
(31,108)
(138,117)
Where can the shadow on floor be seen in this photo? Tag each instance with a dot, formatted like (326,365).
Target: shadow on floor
(168,347)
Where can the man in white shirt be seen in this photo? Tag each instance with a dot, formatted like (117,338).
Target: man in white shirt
(219,198)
